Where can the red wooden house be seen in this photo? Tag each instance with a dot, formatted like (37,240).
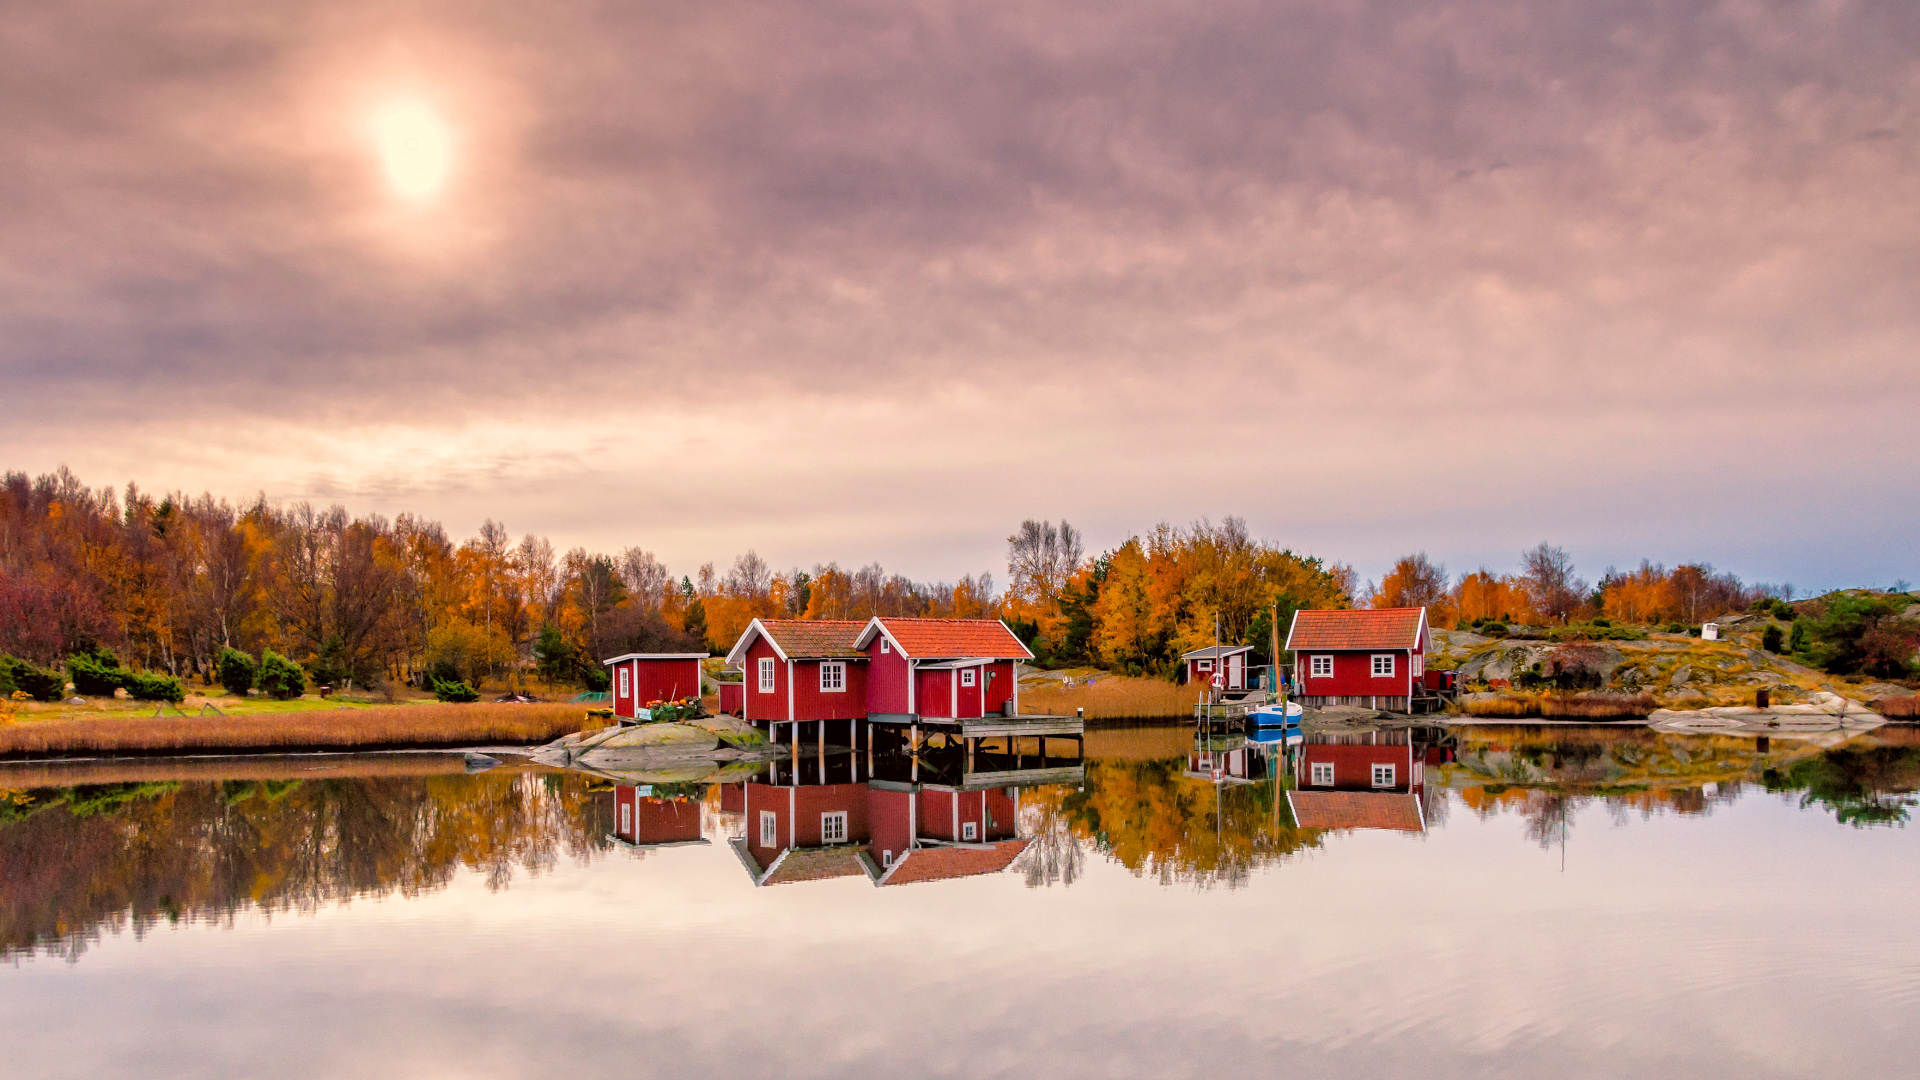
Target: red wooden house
(799,831)
(639,678)
(941,668)
(1227,661)
(1369,780)
(641,820)
(801,670)
(1372,658)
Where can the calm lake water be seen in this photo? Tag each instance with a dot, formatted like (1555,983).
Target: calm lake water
(1502,902)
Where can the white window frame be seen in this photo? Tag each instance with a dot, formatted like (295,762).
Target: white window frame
(885,645)
(886,858)
(833,827)
(626,686)
(626,819)
(833,677)
(969,832)
(1204,665)
(1377,665)
(768,667)
(969,677)
(769,829)
(1384,774)
(1318,661)
(1320,774)
(1419,665)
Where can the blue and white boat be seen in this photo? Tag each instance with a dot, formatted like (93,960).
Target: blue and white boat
(1281,714)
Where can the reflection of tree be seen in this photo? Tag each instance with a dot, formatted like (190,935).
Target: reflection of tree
(1055,854)
(1156,822)
(1868,785)
(69,869)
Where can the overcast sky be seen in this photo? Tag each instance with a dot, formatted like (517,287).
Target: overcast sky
(875,281)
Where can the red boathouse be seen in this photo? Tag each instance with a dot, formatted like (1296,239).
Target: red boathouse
(960,669)
(1227,661)
(1372,658)
(639,678)
(801,670)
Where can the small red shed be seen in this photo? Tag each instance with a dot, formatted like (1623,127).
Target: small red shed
(639,678)
(641,820)
(1367,657)
(941,668)
(1227,661)
(801,670)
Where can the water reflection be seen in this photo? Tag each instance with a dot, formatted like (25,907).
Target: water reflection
(107,850)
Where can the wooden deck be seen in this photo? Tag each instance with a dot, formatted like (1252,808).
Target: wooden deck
(989,727)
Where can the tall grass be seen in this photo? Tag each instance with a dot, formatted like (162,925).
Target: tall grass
(1562,706)
(1904,706)
(440,725)
(71,773)
(1114,697)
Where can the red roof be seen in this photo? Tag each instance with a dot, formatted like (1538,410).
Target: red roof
(1356,810)
(942,863)
(814,864)
(933,639)
(1357,628)
(799,638)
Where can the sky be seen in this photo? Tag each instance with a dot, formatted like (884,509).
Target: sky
(868,282)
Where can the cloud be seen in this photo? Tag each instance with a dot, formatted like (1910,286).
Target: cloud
(1105,246)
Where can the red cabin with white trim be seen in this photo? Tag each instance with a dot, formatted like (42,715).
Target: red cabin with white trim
(941,668)
(1372,658)
(642,820)
(1227,661)
(639,678)
(801,670)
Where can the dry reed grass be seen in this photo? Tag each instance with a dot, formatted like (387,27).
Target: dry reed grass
(1903,707)
(1597,706)
(39,774)
(1506,706)
(1114,697)
(345,729)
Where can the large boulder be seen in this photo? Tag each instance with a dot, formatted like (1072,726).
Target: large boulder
(1505,660)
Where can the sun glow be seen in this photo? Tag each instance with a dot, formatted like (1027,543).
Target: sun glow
(415,148)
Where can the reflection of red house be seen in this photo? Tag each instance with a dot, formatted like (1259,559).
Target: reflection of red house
(1371,780)
(644,821)
(798,670)
(639,678)
(895,834)
(1371,658)
(941,668)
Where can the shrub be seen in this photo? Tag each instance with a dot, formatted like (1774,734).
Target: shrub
(280,677)
(30,679)
(97,673)
(458,692)
(236,671)
(1602,620)
(1676,628)
(1493,629)
(1772,640)
(153,686)
(596,678)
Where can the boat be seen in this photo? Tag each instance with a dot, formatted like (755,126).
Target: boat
(1279,714)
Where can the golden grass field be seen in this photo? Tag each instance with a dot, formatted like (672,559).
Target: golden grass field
(1113,697)
(1562,707)
(333,728)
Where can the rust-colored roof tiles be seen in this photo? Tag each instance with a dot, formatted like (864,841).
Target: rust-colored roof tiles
(943,863)
(1356,810)
(1359,628)
(816,864)
(933,639)
(814,637)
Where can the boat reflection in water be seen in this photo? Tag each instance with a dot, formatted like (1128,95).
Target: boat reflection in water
(840,813)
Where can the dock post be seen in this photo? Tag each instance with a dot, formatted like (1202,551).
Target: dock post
(970,743)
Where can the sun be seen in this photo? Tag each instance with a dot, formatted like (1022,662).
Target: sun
(416,149)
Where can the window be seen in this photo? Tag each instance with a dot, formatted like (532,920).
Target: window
(1320,667)
(885,645)
(886,858)
(1382,665)
(1322,774)
(1419,665)
(969,830)
(833,827)
(766,674)
(1206,665)
(769,829)
(833,677)
(967,677)
(626,688)
(626,818)
(1383,776)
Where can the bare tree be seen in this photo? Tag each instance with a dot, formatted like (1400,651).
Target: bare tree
(646,579)
(1547,572)
(1040,559)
